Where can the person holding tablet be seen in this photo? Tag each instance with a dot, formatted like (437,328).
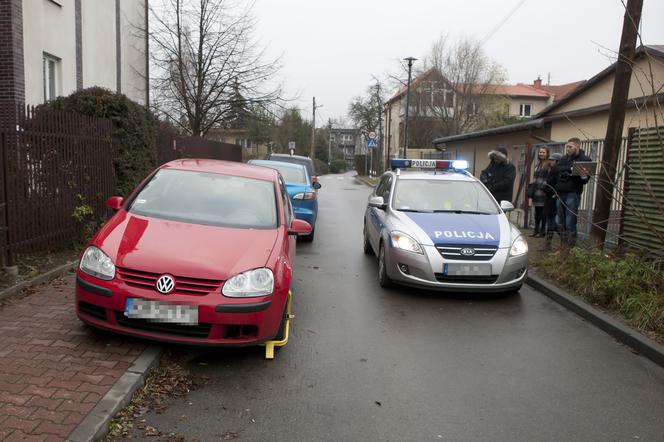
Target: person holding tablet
(568,180)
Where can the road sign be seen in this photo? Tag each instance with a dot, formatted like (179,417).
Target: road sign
(372,143)
(372,135)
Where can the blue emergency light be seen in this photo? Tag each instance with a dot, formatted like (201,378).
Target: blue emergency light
(429,164)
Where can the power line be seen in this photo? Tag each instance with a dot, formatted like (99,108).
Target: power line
(502,22)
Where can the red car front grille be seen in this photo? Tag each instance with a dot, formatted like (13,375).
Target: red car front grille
(183,284)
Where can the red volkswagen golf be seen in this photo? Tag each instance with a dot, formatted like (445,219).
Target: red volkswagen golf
(201,252)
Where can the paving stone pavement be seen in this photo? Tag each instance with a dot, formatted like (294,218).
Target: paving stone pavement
(53,368)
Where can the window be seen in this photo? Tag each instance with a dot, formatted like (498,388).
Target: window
(524,110)
(50,68)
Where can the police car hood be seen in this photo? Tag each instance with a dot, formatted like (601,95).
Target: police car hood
(456,228)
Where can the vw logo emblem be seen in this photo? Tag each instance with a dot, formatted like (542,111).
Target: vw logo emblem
(468,251)
(165,284)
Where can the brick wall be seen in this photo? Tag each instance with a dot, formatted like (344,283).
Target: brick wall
(12,78)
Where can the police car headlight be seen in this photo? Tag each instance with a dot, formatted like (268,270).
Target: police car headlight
(405,242)
(519,247)
(95,263)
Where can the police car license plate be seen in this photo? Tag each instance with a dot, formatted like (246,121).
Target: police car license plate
(458,269)
(157,311)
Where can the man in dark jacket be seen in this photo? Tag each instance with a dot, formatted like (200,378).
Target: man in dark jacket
(499,175)
(569,187)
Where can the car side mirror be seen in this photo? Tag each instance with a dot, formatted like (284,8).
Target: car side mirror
(299,227)
(115,202)
(377,202)
(506,206)
(317,185)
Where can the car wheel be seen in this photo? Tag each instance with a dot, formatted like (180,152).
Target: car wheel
(281,334)
(383,279)
(367,245)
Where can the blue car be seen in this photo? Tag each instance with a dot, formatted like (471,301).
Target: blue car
(302,192)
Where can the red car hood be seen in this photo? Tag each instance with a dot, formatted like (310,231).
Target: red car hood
(183,249)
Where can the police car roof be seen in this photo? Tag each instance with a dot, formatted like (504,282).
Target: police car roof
(443,175)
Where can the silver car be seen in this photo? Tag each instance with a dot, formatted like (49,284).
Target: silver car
(442,230)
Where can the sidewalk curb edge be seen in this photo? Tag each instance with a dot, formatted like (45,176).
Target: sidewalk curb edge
(621,332)
(95,425)
(37,280)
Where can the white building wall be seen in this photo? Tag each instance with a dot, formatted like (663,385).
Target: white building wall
(98,36)
(48,28)
(132,16)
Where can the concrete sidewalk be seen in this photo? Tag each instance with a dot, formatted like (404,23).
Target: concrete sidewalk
(53,369)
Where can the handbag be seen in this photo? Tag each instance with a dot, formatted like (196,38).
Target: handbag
(530,191)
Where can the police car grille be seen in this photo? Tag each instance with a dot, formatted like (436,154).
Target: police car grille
(453,251)
(466,279)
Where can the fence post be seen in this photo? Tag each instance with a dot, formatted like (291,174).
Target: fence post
(8,255)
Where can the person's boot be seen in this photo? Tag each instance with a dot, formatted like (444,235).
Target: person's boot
(547,242)
(563,243)
(534,234)
(571,241)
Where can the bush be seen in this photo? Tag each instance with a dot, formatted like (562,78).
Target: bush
(320,167)
(134,130)
(338,166)
(361,164)
(628,284)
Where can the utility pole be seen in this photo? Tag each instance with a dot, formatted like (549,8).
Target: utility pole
(379,114)
(410,61)
(614,129)
(329,143)
(313,128)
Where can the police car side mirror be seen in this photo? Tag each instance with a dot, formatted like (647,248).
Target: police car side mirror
(506,206)
(377,202)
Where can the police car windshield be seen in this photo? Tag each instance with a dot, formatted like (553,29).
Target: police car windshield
(443,196)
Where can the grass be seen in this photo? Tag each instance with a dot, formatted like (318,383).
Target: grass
(623,284)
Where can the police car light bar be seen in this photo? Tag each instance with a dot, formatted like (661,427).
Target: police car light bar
(429,164)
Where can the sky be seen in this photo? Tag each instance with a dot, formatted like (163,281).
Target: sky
(332,49)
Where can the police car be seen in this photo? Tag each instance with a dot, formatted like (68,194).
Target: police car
(439,228)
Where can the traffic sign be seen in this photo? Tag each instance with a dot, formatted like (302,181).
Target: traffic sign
(372,135)
(372,143)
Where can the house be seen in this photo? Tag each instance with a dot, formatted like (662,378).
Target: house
(239,136)
(434,99)
(581,113)
(50,48)
(348,141)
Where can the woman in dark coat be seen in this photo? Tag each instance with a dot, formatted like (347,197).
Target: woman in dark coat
(539,197)
(550,203)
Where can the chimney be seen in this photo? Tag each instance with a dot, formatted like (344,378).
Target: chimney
(538,83)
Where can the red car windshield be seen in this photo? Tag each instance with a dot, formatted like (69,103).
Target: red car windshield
(208,199)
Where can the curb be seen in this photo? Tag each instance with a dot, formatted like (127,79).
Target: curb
(95,425)
(366,183)
(621,332)
(41,279)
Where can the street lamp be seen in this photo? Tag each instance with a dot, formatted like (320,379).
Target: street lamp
(410,61)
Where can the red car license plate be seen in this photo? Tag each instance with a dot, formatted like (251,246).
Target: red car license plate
(157,311)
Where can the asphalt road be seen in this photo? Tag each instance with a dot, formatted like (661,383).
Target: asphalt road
(367,364)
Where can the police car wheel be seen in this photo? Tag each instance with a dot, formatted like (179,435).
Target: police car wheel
(383,279)
(367,246)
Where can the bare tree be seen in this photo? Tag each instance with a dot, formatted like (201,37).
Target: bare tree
(206,64)
(366,111)
(463,93)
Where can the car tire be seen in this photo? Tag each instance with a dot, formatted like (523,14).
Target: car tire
(309,237)
(383,279)
(281,334)
(367,245)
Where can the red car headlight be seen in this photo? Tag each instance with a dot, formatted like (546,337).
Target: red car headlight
(257,282)
(96,263)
